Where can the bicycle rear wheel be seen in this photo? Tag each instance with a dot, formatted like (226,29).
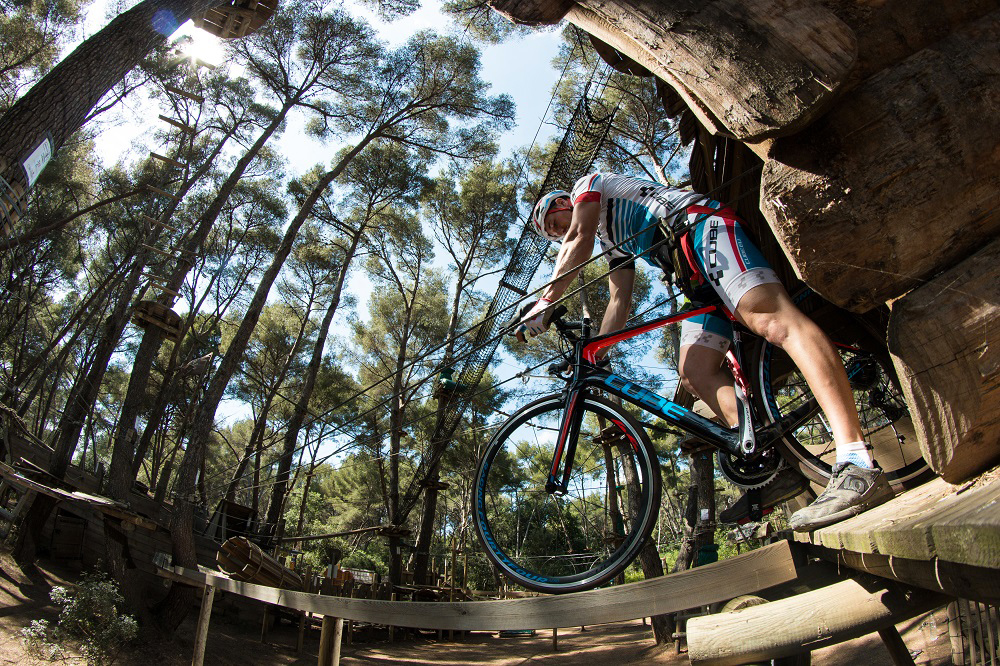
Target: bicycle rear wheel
(580,540)
(884,416)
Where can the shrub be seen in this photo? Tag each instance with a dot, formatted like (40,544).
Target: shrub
(90,613)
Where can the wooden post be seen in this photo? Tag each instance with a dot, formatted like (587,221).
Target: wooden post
(555,639)
(329,641)
(265,624)
(392,629)
(898,651)
(300,641)
(201,634)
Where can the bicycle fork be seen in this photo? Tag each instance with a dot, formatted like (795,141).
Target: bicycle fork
(569,430)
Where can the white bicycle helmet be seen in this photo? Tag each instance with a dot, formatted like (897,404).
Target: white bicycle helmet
(541,210)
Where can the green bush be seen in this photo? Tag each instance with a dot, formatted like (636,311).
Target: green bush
(91,614)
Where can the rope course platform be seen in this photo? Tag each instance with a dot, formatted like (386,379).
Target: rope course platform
(154,313)
(236,19)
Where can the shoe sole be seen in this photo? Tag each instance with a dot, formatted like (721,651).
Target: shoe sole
(844,514)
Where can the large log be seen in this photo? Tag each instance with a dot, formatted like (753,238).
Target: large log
(900,180)
(805,622)
(945,342)
(889,31)
(750,68)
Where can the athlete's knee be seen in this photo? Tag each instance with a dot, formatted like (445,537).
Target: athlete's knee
(773,328)
(696,379)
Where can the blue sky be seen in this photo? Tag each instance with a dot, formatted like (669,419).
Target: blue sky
(520,68)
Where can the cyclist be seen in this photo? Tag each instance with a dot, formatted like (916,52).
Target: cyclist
(622,213)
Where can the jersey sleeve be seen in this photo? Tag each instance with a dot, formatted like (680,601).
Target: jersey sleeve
(588,188)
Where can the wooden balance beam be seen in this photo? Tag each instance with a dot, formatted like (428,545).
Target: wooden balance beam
(720,581)
(808,621)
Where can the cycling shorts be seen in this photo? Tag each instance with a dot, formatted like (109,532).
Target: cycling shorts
(730,263)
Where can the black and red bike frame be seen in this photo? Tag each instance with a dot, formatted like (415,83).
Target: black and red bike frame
(587,374)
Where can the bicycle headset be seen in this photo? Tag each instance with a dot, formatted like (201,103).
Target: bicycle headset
(541,210)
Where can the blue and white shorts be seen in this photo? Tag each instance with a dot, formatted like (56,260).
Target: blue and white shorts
(730,262)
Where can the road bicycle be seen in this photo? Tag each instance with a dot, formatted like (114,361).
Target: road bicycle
(568,489)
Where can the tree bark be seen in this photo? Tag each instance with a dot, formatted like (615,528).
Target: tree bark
(60,103)
(308,385)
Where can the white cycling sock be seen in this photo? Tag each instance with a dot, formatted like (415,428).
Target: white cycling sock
(857,453)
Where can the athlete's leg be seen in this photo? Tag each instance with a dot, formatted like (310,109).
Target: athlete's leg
(702,375)
(704,341)
(768,311)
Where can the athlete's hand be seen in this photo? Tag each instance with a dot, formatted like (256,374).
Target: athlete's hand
(534,319)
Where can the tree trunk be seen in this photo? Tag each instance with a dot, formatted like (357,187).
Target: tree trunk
(75,413)
(308,385)
(60,102)
(204,421)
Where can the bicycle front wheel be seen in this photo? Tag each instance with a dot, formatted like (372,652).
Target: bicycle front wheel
(584,538)
(885,419)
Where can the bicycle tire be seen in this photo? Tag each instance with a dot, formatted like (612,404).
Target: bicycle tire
(884,415)
(577,541)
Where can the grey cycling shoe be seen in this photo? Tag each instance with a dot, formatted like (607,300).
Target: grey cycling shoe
(786,485)
(851,490)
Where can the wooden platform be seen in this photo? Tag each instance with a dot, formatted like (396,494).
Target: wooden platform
(938,536)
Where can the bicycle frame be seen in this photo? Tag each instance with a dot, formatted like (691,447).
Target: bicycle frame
(586,374)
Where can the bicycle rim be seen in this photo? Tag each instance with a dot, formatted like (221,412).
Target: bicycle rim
(882,410)
(586,537)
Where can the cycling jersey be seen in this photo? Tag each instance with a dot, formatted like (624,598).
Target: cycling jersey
(725,257)
(632,207)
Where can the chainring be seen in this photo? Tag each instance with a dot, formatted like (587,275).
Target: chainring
(754,473)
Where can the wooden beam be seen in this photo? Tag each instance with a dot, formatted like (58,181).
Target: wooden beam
(720,581)
(945,341)
(915,127)
(159,223)
(201,633)
(957,580)
(167,160)
(802,623)
(183,93)
(768,76)
(156,190)
(179,125)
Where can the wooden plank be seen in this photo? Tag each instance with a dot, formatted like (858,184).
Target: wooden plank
(859,533)
(179,125)
(802,623)
(912,537)
(156,190)
(159,223)
(970,532)
(719,581)
(183,93)
(167,160)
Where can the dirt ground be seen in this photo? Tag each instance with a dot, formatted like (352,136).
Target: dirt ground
(234,639)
